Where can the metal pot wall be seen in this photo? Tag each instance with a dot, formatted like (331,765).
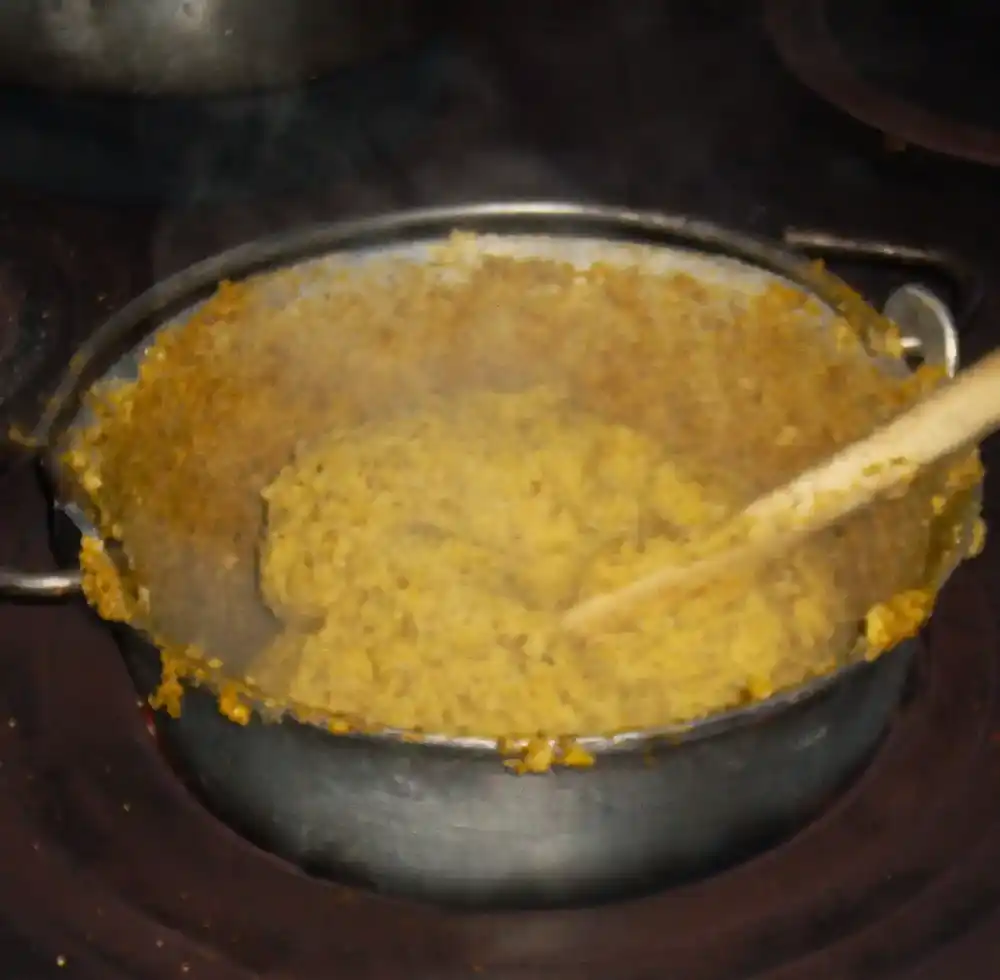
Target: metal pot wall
(443,819)
(193,47)
(449,824)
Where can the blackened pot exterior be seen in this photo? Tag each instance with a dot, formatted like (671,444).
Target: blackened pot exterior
(453,825)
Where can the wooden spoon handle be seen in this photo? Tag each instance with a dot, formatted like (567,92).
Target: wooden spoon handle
(957,414)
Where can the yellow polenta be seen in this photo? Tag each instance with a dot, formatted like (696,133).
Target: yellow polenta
(377,490)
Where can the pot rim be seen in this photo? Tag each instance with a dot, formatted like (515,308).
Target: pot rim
(122,332)
(629,226)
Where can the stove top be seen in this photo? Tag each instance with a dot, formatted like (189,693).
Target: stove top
(920,73)
(113,869)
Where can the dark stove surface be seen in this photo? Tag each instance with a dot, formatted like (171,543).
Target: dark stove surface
(112,870)
(920,72)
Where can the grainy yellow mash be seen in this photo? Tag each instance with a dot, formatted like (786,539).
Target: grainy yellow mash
(369,496)
(444,543)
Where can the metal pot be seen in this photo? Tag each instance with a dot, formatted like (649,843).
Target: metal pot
(192,47)
(443,819)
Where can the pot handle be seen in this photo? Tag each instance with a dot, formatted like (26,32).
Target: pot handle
(964,278)
(927,326)
(927,322)
(15,584)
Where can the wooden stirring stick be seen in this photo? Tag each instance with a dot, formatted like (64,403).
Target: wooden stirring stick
(958,414)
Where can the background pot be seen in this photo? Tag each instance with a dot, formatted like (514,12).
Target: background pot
(193,47)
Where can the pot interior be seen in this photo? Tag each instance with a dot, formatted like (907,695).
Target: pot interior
(733,280)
